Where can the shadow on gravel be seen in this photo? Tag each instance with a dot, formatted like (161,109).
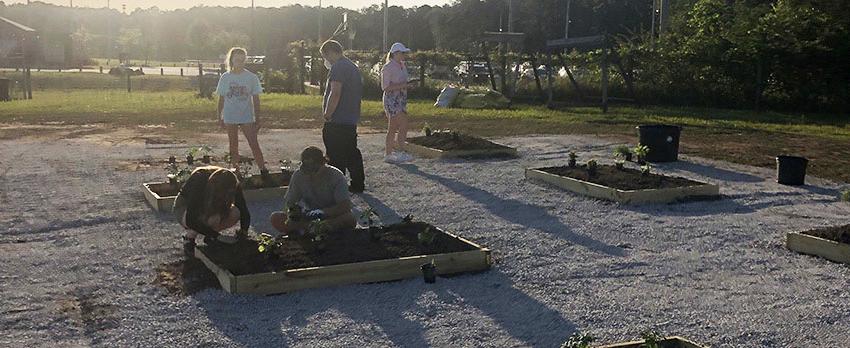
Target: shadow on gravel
(712,172)
(396,311)
(387,215)
(528,215)
(734,203)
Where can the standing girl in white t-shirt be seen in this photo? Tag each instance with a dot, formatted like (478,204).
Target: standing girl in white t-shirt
(239,106)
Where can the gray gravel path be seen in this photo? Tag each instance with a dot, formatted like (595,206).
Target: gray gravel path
(77,270)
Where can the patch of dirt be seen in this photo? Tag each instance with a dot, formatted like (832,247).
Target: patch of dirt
(400,240)
(839,234)
(89,311)
(626,179)
(454,141)
(185,277)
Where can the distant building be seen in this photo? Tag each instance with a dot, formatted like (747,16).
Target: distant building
(19,44)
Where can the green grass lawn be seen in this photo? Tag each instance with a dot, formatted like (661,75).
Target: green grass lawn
(733,135)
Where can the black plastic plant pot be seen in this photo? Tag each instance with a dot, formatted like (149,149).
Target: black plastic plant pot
(206,159)
(571,163)
(628,157)
(791,170)
(190,159)
(429,273)
(172,160)
(662,141)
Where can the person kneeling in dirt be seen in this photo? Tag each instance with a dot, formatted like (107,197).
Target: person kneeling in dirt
(209,202)
(322,191)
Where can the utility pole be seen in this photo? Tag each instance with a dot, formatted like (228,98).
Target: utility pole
(665,16)
(510,16)
(567,25)
(386,16)
(320,23)
(253,28)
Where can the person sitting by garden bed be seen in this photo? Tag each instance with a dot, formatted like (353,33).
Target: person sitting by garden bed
(209,202)
(322,191)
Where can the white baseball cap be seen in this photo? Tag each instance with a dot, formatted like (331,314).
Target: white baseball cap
(399,47)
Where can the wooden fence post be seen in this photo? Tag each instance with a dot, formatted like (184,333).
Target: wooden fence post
(201,78)
(128,83)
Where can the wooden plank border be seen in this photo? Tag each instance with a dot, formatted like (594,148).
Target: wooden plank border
(165,203)
(350,273)
(428,152)
(673,341)
(667,195)
(825,248)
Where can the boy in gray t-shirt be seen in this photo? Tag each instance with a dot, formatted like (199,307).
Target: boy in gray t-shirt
(322,190)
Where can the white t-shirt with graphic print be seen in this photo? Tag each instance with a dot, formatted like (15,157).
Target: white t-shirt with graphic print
(238,91)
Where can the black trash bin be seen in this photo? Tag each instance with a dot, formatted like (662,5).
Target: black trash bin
(5,90)
(791,170)
(662,141)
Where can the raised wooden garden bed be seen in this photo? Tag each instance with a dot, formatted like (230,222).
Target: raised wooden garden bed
(161,195)
(669,342)
(446,145)
(831,243)
(348,257)
(625,185)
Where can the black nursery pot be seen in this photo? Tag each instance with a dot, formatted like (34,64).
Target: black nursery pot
(791,170)
(190,159)
(429,273)
(172,159)
(662,141)
(206,159)
(571,163)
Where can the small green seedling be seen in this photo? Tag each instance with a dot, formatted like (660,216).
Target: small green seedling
(845,195)
(592,166)
(640,151)
(623,152)
(572,161)
(426,237)
(267,243)
(427,130)
(176,174)
(651,339)
(407,219)
(579,340)
(646,169)
(368,217)
(620,164)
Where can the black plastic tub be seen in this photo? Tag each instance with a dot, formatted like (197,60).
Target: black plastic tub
(791,170)
(662,141)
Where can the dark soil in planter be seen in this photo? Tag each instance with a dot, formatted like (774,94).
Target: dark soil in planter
(626,179)
(167,190)
(447,142)
(839,234)
(341,247)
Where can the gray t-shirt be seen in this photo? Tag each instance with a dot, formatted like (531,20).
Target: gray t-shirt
(327,188)
(348,110)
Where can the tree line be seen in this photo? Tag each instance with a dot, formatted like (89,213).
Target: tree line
(789,54)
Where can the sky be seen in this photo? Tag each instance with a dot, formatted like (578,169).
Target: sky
(173,4)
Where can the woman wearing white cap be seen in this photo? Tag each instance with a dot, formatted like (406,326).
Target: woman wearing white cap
(394,82)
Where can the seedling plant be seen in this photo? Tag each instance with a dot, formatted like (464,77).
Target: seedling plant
(845,195)
(651,339)
(620,164)
(591,167)
(579,340)
(268,244)
(646,169)
(572,161)
(369,217)
(427,130)
(426,236)
(623,152)
(641,151)
(177,174)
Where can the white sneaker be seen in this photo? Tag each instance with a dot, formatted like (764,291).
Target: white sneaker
(404,156)
(391,158)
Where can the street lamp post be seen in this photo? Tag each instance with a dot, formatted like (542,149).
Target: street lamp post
(386,15)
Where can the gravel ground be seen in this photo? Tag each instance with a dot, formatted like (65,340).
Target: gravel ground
(78,248)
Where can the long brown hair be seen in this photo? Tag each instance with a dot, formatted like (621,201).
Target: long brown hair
(220,193)
(234,51)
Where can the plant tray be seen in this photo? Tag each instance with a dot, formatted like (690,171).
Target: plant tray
(165,203)
(669,342)
(662,195)
(496,150)
(806,243)
(476,258)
